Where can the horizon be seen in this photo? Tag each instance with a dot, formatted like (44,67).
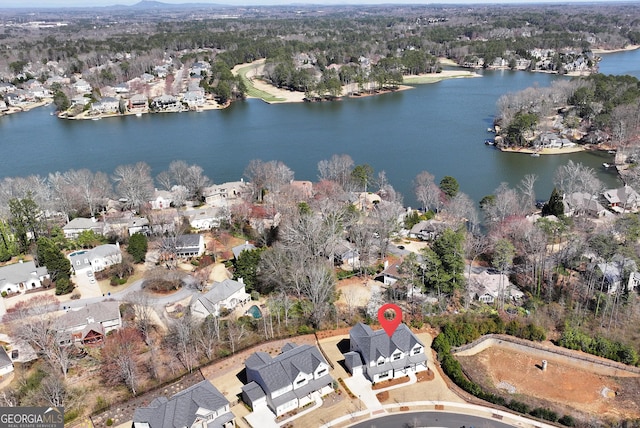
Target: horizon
(53,4)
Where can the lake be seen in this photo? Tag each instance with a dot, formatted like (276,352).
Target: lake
(438,127)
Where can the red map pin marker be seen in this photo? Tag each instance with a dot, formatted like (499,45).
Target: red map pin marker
(390,325)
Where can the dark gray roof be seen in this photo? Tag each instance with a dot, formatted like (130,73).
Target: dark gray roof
(188,241)
(279,372)
(4,358)
(253,391)
(180,410)
(352,359)
(83,223)
(375,344)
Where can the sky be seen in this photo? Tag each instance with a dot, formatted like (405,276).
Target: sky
(88,3)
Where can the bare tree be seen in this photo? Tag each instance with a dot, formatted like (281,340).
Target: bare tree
(119,355)
(182,337)
(143,312)
(318,288)
(527,189)
(208,336)
(235,332)
(267,176)
(427,191)
(134,184)
(53,391)
(92,188)
(385,222)
(337,169)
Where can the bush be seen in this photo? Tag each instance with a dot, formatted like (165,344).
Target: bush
(75,295)
(545,414)
(115,281)
(567,421)
(109,422)
(70,415)
(305,329)
(4,293)
(518,406)
(101,404)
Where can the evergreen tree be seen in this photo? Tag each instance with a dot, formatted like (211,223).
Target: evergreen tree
(449,186)
(49,255)
(554,206)
(24,219)
(246,268)
(8,245)
(138,247)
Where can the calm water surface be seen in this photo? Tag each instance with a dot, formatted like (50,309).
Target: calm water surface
(439,128)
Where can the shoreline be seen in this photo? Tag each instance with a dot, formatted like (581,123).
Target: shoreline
(608,51)
(550,151)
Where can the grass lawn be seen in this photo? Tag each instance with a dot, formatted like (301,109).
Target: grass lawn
(408,80)
(252,91)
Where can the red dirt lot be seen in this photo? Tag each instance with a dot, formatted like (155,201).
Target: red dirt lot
(562,387)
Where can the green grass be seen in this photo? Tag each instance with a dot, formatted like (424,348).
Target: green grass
(409,80)
(252,91)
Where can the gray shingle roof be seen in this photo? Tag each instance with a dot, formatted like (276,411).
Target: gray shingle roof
(4,358)
(219,292)
(281,371)
(253,391)
(21,272)
(374,344)
(99,312)
(180,410)
(238,249)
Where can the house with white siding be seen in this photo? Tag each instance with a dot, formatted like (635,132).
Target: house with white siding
(291,380)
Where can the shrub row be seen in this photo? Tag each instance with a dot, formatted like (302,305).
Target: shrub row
(601,346)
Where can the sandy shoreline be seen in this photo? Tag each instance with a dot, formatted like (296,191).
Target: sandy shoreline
(606,51)
(547,151)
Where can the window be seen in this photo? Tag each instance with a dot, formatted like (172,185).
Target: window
(381,361)
(321,372)
(396,357)
(301,381)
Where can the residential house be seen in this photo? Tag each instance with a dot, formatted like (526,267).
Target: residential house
(613,273)
(15,99)
(345,254)
(6,365)
(161,199)
(379,356)
(22,276)
(634,281)
(199,406)
(161,71)
(390,275)
(89,324)
(165,102)
(291,380)
(81,86)
(126,225)
(225,194)
(80,100)
(6,87)
(427,230)
(238,249)
(198,67)
(193,98)
(106,105)
(121,88)
(147,78)
(3,107)
(488,287)
(138,103)
(80,224)
(226,294)
(579,203)
(189,245)
(622,199)
(96,259)
(204,218)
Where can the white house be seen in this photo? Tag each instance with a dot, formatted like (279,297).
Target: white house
(381,357)
(193,98)
(80,224)
(161,199)
(6,365)
(106,105)
(22,276)
(226,294)
(225,194)
(204,218)
(199,406)
(96,259)
(82,86)
(289,381)
(186,246)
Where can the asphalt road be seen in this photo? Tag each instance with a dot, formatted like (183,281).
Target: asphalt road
(431,420)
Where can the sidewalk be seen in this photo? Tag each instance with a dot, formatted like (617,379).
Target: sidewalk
(361,388)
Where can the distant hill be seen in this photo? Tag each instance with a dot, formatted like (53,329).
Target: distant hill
(153,4)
